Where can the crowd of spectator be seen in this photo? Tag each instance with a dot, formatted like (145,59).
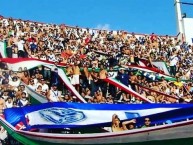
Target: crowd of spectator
(83,51)
(90,56)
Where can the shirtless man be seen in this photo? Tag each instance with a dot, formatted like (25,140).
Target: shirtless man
(25,78)
(2,105)
(118,126)
(133,80)
(85,76)
(102,84)
(76,74)
(93,79)
(103,73)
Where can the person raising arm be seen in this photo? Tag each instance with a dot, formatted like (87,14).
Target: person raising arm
(118,126)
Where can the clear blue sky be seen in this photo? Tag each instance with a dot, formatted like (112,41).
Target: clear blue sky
(140,16)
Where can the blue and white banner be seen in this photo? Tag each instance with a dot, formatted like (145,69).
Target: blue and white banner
(61,115)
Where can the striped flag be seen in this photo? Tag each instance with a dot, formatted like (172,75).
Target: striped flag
(20,126)
(28,63)
(127,89)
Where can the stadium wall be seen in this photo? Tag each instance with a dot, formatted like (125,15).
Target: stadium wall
(188,30)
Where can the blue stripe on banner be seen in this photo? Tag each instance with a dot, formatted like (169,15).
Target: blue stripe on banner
(84,106)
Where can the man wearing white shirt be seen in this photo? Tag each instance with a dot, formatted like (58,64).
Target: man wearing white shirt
(9,102)
(45,87)
(20,45)
(32,85)
(173,61)
(54,95)
(14,82)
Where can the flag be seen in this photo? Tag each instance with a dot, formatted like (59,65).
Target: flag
(20,126)
(151,65)
(126,89)
(63,115)
(162,66)
(28,63)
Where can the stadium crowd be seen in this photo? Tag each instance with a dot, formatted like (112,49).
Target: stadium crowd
(91,56)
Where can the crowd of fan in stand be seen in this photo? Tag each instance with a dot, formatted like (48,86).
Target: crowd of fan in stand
(81,49)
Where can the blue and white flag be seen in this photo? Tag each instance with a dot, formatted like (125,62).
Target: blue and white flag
(61,115)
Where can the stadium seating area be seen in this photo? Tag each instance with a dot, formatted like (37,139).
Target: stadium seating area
(90,56)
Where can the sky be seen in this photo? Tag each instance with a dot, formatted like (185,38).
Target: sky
(139,16)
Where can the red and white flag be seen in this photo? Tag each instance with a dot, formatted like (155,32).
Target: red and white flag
(20,126)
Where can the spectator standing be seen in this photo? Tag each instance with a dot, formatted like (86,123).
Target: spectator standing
(20,44)
(102,84)
(123,77)
(173,62)
(76,76)
(112,88)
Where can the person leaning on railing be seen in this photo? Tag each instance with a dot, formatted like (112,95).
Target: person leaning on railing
(117,125)
(147,123)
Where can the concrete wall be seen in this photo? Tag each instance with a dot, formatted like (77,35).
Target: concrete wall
(188,30)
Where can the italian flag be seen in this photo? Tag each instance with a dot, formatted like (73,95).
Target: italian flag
(126,89)
(28,63)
